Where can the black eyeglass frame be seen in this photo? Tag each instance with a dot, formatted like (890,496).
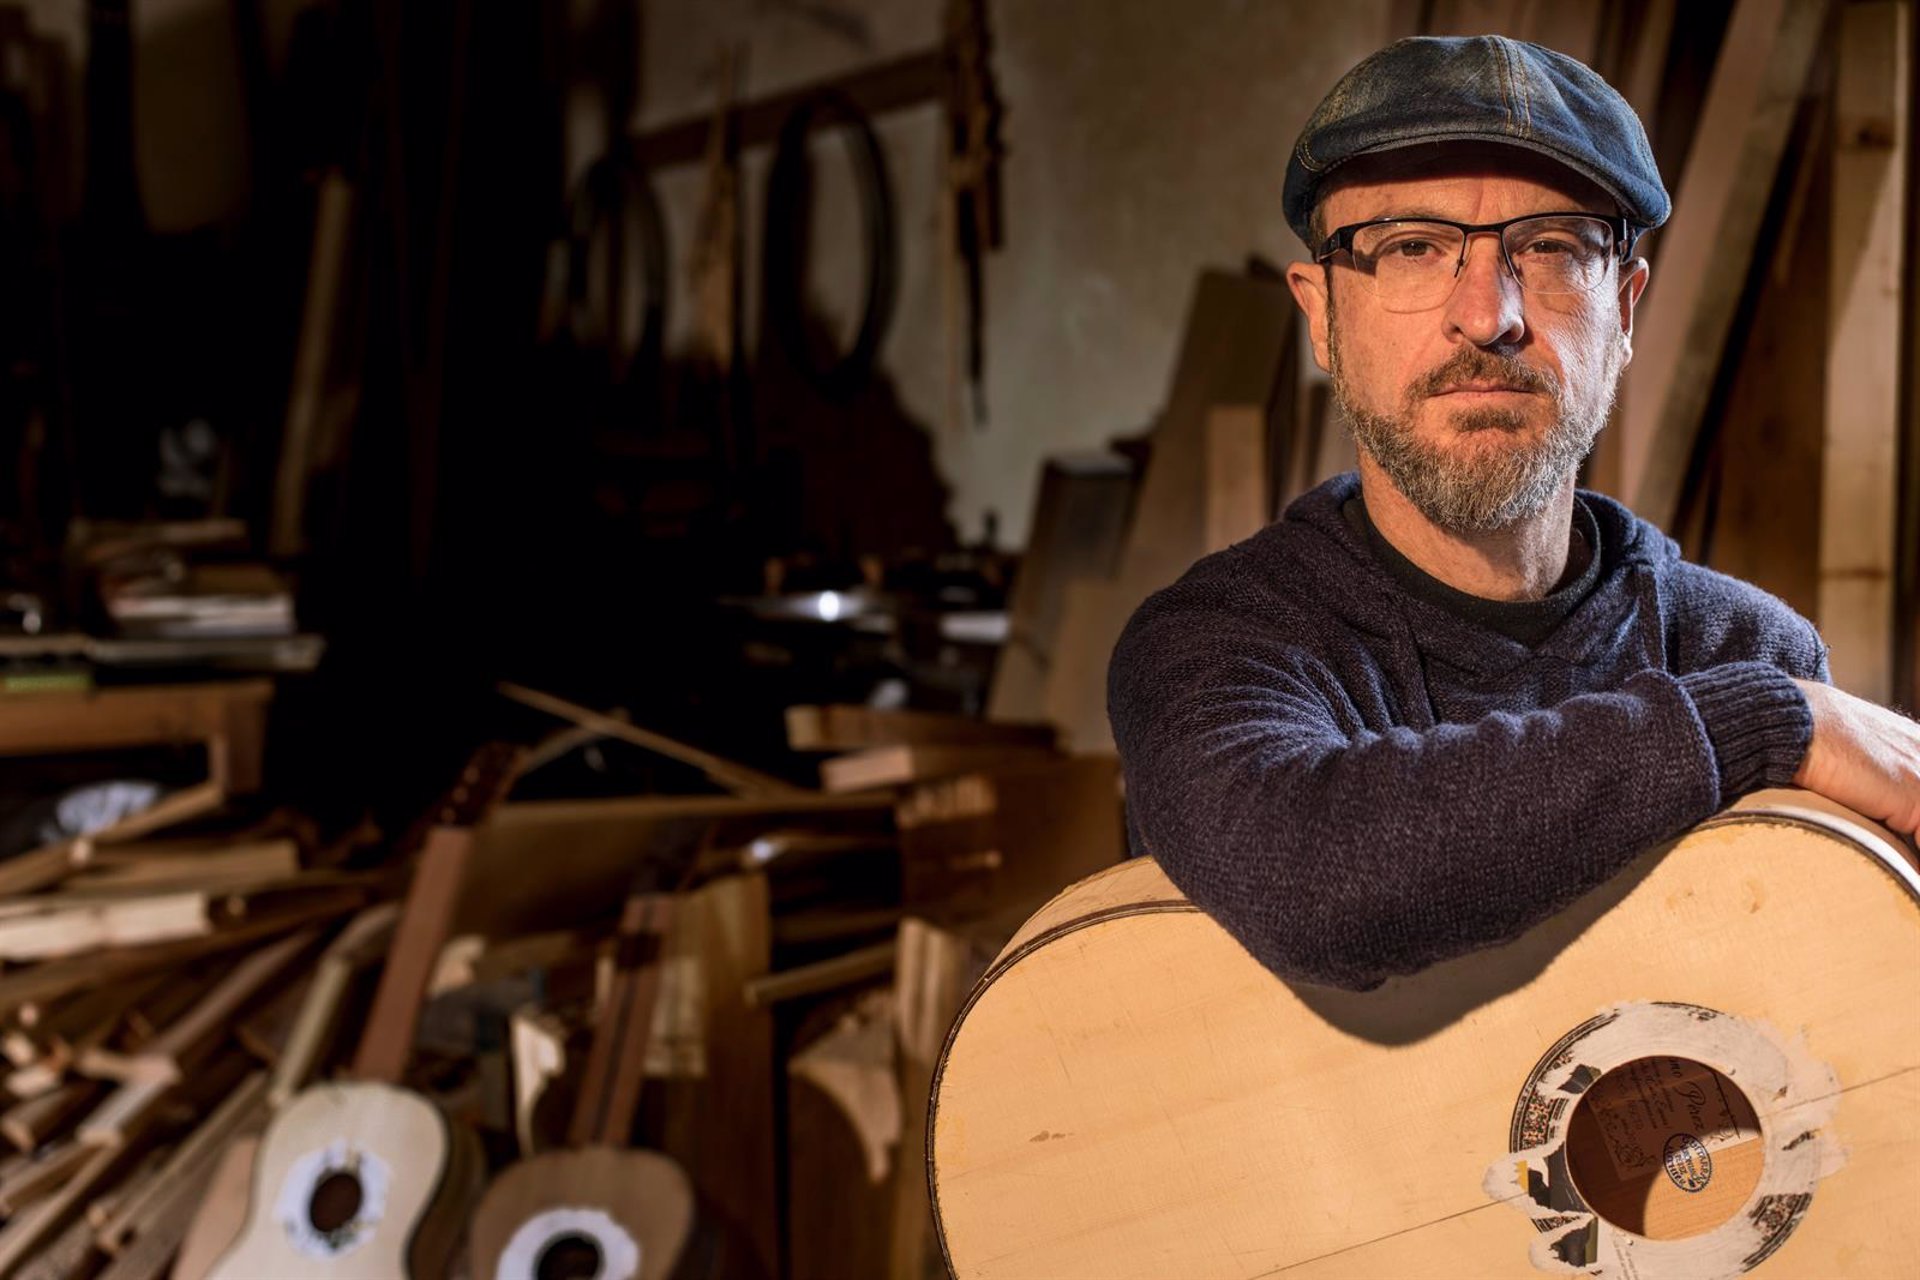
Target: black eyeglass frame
(1625,235)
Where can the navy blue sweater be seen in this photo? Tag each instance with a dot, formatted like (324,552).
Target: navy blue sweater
(1356,782)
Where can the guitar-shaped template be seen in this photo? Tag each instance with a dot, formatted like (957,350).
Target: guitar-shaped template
(365,1179)
(599,1209)
(1707,1067)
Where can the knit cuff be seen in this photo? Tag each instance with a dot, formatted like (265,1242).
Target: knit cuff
(1757,720)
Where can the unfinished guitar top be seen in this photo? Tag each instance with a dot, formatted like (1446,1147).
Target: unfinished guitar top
(1709,1066)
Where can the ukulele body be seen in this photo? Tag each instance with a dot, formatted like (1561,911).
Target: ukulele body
(633,1208)
(356,1180)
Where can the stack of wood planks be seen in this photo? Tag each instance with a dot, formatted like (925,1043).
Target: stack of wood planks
(147,985)
(168,999)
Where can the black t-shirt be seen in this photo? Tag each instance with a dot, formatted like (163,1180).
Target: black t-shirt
(1526,621)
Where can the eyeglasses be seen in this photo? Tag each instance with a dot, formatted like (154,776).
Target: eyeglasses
(1413,262)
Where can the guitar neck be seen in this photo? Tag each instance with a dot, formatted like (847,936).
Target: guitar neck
(426,921)
(616,1064)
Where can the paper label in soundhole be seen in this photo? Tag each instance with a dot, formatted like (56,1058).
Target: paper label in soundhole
(619,1251)
(1687,1162)
(293,1208)
(1646,1105)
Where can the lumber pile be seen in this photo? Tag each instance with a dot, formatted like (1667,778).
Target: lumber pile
(143,993)
(171,1001)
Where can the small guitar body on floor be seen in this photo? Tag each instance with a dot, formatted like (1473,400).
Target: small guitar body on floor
(1709,1066)
(353,1180)
(596,1211)
(363,1179)
(600,1209)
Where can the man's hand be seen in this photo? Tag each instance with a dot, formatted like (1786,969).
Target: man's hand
(1864,756)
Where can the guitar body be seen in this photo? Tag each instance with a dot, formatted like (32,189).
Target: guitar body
(1708,1066)
(630,1210)
(354,1180)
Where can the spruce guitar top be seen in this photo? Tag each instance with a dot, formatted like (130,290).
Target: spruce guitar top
(598,1211)
(1707,1067)
(365,1179)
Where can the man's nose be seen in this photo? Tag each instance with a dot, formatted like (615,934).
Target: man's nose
(1486,307)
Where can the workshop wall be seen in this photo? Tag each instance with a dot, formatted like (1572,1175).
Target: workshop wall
(1143,141)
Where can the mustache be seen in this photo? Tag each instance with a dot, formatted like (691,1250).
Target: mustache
(1471,364)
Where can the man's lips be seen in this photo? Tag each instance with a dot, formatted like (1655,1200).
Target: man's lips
(1483,388)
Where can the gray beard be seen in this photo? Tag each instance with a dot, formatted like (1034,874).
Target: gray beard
(1491,490)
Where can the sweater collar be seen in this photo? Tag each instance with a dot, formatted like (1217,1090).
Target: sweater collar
(1628,546)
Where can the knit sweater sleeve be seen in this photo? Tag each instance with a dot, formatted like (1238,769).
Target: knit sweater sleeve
(1341,856)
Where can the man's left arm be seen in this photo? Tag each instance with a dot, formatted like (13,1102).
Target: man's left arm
(1860,754)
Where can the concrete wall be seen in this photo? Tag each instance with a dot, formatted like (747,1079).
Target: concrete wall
(1144,141)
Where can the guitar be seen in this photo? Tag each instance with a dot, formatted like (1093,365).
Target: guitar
(597,1210)
(364,1178)
(1708,1066)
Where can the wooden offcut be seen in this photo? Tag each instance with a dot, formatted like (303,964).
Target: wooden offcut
(1707,247)
(900,766)
(1078,528)
(1236,349)
(853,728)
(1860,470)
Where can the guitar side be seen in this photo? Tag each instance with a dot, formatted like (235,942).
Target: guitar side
(1127,1093)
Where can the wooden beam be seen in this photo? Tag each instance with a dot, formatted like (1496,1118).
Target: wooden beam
(910,81)
(1860,471)
(1236,502)
(1707,247)
(1907,564)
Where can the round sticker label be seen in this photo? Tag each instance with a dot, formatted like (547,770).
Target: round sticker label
(1687,1162)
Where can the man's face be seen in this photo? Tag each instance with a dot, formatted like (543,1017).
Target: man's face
(1479,408)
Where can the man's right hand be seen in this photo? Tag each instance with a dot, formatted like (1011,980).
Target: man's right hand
(1864,756)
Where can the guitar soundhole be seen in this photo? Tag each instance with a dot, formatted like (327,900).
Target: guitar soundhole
(335,1203)
(571,1257)
(1664,1147)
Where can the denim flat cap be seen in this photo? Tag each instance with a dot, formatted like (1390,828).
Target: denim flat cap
(1484,89)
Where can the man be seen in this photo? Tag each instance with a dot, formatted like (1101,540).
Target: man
(1439,700)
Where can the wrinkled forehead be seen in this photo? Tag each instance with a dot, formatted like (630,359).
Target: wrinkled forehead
(1388,182)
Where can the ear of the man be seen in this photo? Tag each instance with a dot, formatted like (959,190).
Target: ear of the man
(1634,275)
(1309,284)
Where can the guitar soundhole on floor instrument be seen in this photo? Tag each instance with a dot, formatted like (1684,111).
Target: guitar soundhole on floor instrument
(336,1203)
(571,1257)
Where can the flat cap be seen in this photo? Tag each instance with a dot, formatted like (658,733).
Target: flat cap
(1430,89)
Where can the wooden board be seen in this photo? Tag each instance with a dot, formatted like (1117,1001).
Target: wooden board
(992,844)
(718,1122)
(1571,27)
(899,766)
(1237,503)
(1079,523)
(1860,474)
(937,967)
(838,1211)
(1707,246)
(228,717)
(853,728)
(1236,348)
(1768,442)
(538,864)
(221,1213)
(1094,615)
